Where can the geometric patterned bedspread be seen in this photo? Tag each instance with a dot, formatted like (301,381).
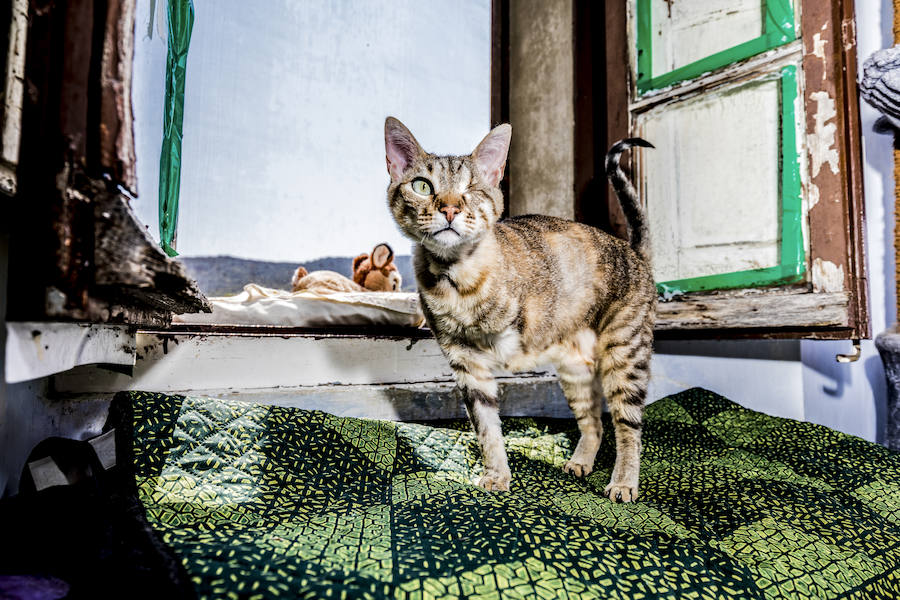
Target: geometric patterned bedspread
(273,502)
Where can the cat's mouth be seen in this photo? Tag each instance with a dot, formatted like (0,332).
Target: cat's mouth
(445,230)
(443,240)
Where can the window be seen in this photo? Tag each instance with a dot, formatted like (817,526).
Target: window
(303,120)
(282,158)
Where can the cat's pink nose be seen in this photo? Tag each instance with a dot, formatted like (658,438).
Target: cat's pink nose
(450,212)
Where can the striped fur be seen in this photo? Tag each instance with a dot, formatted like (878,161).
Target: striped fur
(628,197)
(525,291)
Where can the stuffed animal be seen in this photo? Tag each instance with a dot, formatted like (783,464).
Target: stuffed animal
(375,273)
(378,271)
(323,282)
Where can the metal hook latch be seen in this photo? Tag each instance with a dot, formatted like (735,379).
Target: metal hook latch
(849,358)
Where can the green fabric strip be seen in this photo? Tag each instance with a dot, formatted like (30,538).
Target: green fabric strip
(779,30)
(792,267)
(181,22)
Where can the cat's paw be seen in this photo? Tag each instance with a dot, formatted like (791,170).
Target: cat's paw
(621,492)
(578,469)
(495,482)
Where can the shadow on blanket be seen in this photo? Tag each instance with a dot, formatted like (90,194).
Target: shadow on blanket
(259,501)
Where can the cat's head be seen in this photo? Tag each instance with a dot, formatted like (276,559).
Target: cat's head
(445,203)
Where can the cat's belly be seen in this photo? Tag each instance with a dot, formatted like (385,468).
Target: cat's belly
(578,349)
(492,339)
(508,354)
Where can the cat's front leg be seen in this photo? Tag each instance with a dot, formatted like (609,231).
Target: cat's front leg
(485,416)
(480,395)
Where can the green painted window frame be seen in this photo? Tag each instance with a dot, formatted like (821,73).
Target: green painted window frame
(792,265)
(779,30)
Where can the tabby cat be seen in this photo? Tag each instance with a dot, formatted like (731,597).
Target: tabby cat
(525,291)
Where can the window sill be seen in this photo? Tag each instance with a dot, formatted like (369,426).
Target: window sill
(397,374)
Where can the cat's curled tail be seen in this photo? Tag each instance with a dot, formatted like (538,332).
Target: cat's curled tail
(628,196)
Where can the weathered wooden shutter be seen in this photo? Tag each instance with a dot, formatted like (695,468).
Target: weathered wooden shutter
(754,192)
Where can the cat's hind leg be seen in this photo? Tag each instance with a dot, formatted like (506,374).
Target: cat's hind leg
(626,346)
(577,378)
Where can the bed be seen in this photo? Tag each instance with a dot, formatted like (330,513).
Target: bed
(251,501)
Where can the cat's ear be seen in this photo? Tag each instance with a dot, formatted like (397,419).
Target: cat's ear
(490,155)
(382,255)
(400,147)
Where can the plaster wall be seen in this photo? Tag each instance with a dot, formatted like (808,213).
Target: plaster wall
(542,110)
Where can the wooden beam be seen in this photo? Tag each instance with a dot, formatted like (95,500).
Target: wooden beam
(834,151)
(500,78)
(753,311)
(77,251)
(116,155)
(897,187)
(618,92)
(134,280)
(13,93)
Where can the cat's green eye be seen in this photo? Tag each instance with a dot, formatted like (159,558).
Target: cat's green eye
(422,187)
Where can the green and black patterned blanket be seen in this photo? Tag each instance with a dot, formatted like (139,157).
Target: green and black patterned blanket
(269,502)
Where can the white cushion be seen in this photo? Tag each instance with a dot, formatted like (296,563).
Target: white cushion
(258,305)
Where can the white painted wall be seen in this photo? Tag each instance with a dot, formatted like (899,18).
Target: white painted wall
(760,374)
(285,101)
(27,416)
(802,380)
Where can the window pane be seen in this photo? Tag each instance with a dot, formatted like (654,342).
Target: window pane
(283,151)
(686,31)
(713,183)
(680,40)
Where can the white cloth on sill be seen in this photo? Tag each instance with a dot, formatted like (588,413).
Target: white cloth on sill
(258,305)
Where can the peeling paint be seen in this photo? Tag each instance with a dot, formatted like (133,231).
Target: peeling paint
(819,50)
(827,276)
(848,33)
(36,350)
(821,140)
(813,195)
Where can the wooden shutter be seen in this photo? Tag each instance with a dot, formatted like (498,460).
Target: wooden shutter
(754,192)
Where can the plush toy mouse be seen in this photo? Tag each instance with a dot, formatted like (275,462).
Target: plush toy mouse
(375,273)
